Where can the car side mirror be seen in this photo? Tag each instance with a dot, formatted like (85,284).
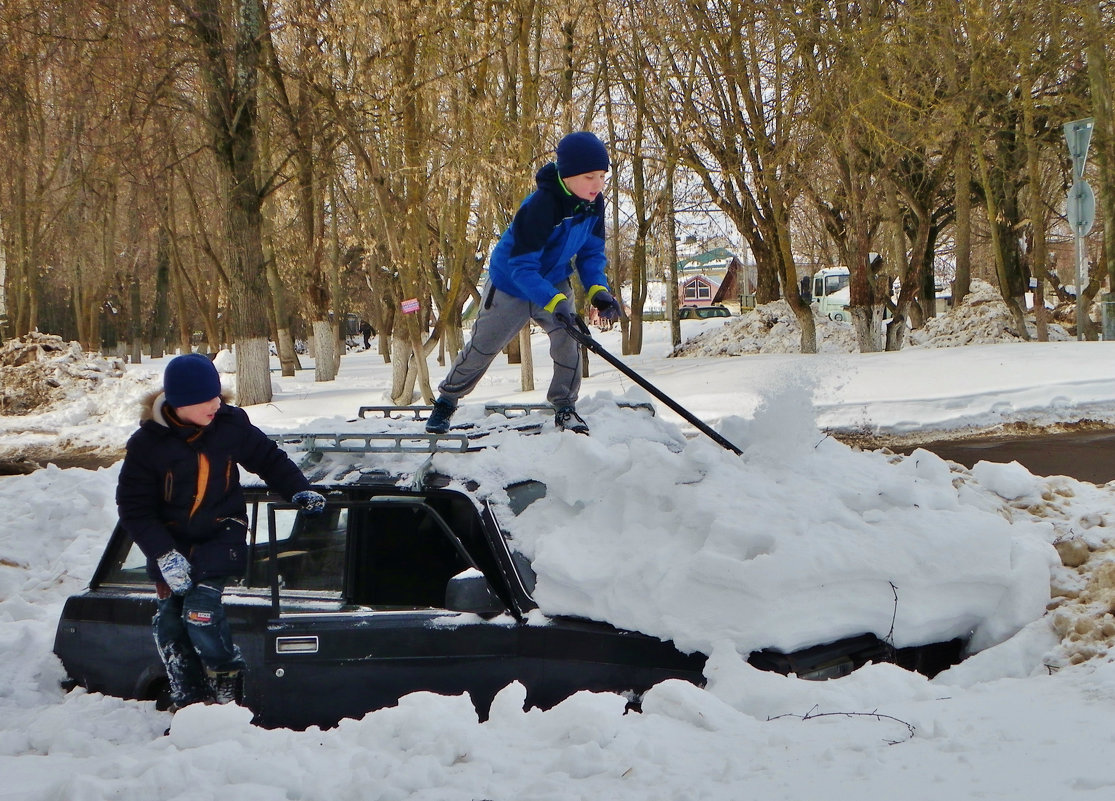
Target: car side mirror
(469,591)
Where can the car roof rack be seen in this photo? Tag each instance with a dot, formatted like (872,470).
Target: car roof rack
(357,442)
(414,442)
(508,410)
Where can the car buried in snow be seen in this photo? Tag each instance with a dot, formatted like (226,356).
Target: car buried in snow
(703,312)
(404,584)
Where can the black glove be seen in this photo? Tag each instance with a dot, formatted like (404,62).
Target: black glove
(563,313)
(312,503)
(607,305)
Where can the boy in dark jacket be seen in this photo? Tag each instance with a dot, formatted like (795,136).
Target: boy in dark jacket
(561,221)
(179,498)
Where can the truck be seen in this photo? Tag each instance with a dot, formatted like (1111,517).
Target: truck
(831,292)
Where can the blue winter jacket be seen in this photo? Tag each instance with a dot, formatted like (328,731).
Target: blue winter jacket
(179,487)
(552,226)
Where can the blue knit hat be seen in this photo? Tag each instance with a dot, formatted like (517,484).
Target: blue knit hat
(581,152)
(190,379)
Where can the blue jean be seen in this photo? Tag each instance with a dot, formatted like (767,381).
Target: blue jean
(194,640)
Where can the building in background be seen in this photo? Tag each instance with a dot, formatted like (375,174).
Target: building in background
(716,276)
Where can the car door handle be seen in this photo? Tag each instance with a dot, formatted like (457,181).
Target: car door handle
(296,645)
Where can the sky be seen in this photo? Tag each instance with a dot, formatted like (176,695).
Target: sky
(650,525)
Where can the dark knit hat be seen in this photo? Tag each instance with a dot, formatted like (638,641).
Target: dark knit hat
(190,379)
(579,153)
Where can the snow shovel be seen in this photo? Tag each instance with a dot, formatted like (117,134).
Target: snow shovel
(581,333)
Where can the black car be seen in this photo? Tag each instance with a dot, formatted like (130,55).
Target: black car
(402,585)
(702,312)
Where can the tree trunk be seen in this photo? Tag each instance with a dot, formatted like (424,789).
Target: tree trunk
(284,341)
(325,349)
(1037,252)
(5,326)
(253,376)
(135,322)
(230,57)
(962,283)
(1103,110)
(896,329)
(160,317)
(671,271)
(526,360)
(402,376)
(997,250)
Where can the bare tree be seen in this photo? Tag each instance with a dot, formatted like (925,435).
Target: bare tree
(1098,29)
(228,37)
(730,68)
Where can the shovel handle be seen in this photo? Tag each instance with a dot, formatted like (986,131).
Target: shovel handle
(580,332)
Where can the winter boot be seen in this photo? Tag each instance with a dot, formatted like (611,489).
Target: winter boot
(439,418)
(185,675)
(567,419)
(226,686)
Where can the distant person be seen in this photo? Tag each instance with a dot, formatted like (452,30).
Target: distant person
(562,220)
(179,498)
(368,332)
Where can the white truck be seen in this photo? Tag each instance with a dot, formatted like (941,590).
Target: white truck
(831,293)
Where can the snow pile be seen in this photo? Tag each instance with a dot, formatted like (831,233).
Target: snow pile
(1083,584)
(41,371)
(769,328)
(677,544)
(982,318)
(52,389)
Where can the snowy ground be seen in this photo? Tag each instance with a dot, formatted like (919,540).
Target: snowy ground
(652,526)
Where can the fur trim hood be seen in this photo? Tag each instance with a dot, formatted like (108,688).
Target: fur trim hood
(152,406)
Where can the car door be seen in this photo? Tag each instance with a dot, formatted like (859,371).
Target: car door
(572,654)
(376,624)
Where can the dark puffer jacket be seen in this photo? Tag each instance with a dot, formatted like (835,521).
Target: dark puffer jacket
(179,487)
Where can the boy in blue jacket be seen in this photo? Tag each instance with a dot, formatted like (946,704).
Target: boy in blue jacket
(561,221)
(179,498)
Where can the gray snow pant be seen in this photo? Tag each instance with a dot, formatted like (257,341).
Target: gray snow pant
(500,320)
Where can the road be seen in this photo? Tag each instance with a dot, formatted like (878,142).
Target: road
(1085,455)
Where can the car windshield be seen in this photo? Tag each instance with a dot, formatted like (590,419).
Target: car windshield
(834,283)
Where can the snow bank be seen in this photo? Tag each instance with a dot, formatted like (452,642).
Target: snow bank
(801,541)
(982,318)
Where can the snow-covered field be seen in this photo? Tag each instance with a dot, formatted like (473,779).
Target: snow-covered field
(649,525)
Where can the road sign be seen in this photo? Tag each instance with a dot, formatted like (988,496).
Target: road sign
(1081,208)
(1081,205)
(1078,135)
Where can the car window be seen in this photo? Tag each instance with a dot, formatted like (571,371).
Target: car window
(310,551)
(401,557)
(834,283)
(128,565)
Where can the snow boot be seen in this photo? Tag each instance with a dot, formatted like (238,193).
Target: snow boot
(567,419)
(226,686)
(439,418)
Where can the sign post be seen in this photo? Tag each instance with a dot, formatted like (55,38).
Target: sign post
(1081,205)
